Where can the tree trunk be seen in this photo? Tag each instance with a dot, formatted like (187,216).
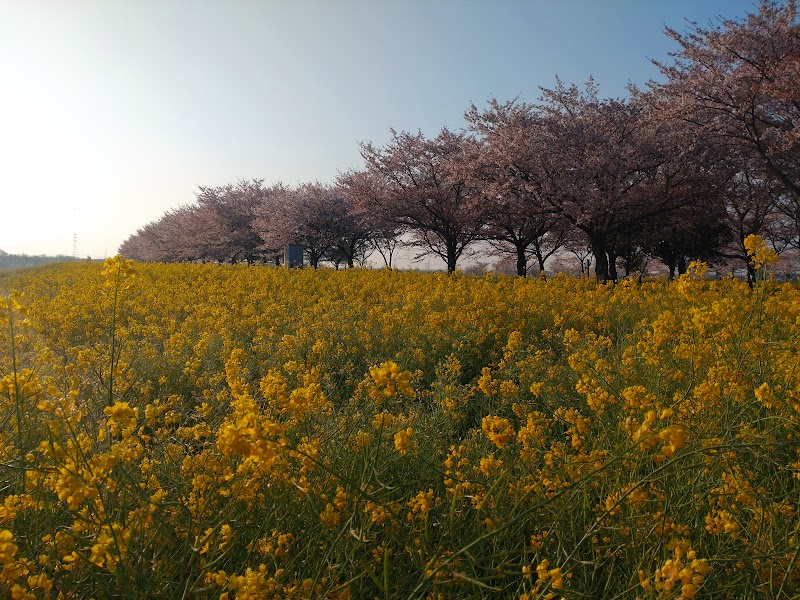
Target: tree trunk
(451,263)
(682,266)
(522,262)
(670,260)
(541,260)
(612,265)
(452,256)
(600,260)
(751,274)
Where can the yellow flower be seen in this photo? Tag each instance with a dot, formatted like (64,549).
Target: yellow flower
(546,575)
(485,383)
(226,535)
(498,430)
(637,398)
(379,513)
(389,380)
(330,517)
(489,465)
(760,254)
(121,418)
(675,438)
(40,581)
(422,503)
(7,547)
(764,394)
(118,267)
(684,569)
(363,439)
(402,440)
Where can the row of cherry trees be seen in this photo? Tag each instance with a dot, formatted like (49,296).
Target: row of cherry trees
(687,168)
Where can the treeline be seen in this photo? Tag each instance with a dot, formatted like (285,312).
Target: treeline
(684,169)
(20,261)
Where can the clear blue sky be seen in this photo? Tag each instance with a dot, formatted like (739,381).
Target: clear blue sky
(113,111)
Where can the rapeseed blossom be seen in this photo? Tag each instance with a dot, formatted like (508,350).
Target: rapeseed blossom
(402,440)
(389,380)
(7,546)
(498,430)
(759,252)
(216,428)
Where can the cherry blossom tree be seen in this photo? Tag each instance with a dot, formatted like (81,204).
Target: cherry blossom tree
(577,245)
(143,245)
(351,231)
(690,181)
(515,227)
(595,164)
(320,218)
(170,238)
(365,192)
(216,227)
(694,231)
(736,85)
(751,208)
(225,215)
(424,190)
(519,220)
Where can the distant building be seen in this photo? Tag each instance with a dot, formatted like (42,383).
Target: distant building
(293,256)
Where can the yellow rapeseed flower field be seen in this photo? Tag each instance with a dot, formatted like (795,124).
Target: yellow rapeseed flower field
(250,432)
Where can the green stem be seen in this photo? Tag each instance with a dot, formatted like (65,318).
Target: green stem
(17,396)
(113,341)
